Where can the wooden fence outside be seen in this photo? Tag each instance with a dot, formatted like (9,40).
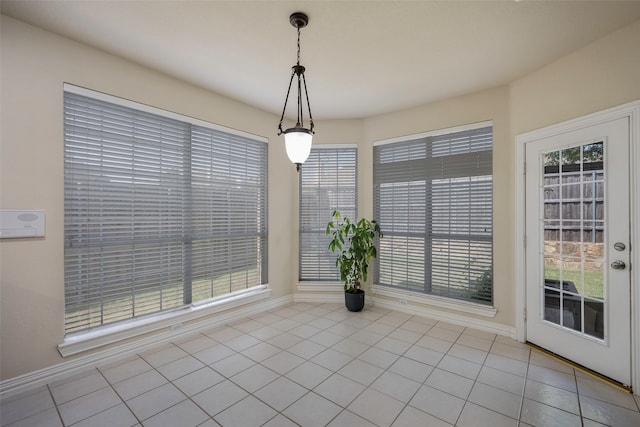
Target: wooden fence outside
(574,206)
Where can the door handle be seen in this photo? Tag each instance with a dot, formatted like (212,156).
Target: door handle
(618,265)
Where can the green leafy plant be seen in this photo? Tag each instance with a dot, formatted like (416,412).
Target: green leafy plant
(355,244)
(482,287)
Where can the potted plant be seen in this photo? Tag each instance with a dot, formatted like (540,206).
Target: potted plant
(354,242)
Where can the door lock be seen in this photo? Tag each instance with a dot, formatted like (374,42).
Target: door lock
(618,265)
(619,246)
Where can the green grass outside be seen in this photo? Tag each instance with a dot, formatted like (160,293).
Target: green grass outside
(593,280)
(150,302)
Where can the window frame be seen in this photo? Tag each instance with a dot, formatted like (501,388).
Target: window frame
(304,279)
(467,305)
(84,339)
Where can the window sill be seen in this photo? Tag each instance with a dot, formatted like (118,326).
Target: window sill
(171,320)
(448,303)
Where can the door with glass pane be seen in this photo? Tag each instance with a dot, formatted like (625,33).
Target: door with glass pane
(577,246)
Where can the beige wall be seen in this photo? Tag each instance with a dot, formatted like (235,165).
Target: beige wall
(36,63)
(603,74)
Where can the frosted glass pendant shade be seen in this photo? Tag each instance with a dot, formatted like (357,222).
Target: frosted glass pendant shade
(298,144)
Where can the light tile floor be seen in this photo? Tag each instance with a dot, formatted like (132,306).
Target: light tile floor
(320,365)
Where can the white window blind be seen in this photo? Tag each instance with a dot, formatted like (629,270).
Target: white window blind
(327,183)
(159,213)
(433,198)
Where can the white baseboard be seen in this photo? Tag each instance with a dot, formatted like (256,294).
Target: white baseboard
(31,380)
(444,316)
(318,298)
(432,313)
(462,306)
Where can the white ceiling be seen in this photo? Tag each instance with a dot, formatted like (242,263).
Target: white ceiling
(362,57)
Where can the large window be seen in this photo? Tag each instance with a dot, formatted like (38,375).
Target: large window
(433,199)
(327,183)
(160,211)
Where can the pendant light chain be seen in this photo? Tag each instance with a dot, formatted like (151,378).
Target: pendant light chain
(300,117)
(298,27)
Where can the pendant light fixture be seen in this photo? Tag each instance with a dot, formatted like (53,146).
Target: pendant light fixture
(297,139)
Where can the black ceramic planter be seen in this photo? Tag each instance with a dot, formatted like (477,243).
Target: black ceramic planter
(354,300)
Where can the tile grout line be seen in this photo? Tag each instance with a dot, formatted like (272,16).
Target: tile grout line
(154,368)
(475,380)
(124,402)
(387,370)
(421,384)
(281,350)
(179,389)
(55,405)
(524,388)
(281,412)
(108,386)
(344,408)
(575,378)
(437,367)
